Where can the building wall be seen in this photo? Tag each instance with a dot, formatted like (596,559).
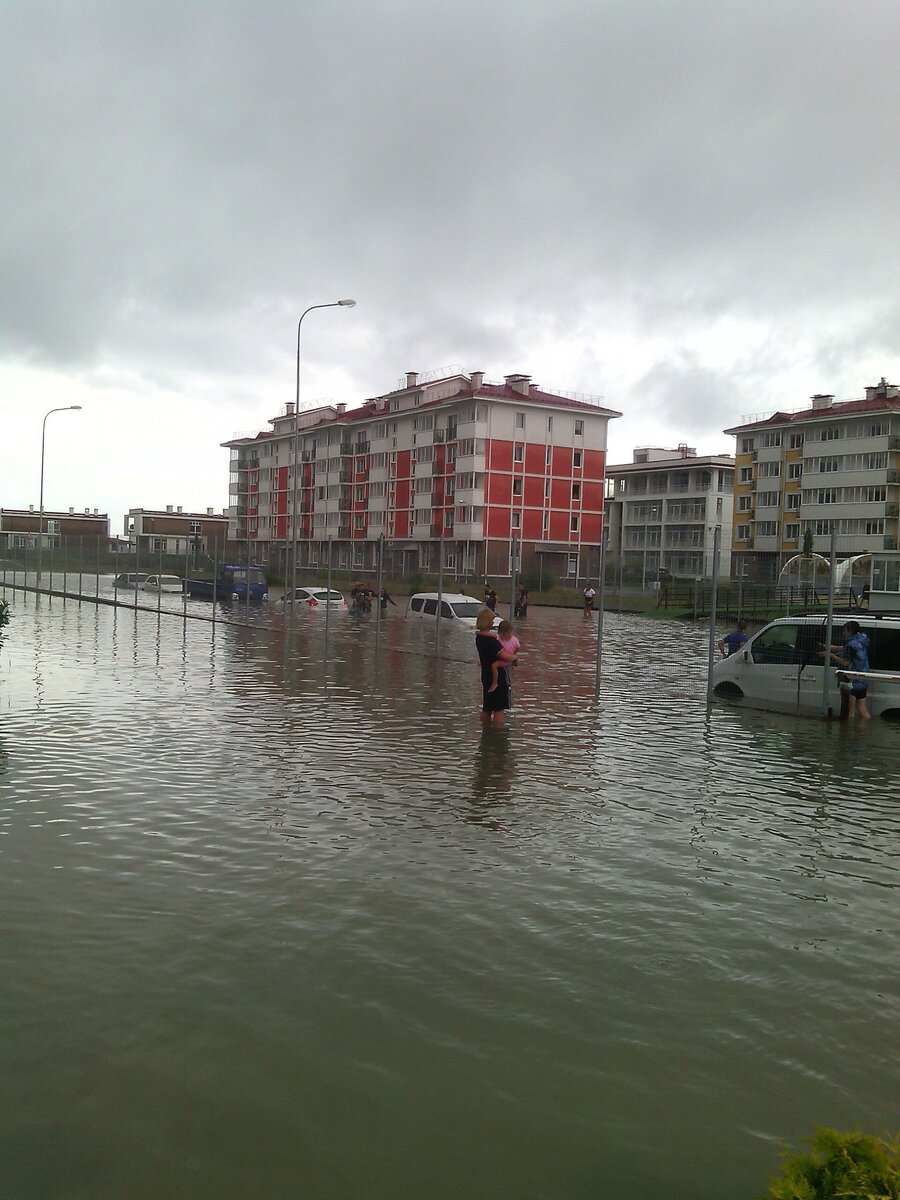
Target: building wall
(471,470)
(667,511)
(830,469)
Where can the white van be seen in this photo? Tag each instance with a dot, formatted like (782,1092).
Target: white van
(455,606)
(782,667)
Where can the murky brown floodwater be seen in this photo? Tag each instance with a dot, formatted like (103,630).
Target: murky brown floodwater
(298,927)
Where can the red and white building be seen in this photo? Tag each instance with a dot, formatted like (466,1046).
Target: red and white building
(451,463)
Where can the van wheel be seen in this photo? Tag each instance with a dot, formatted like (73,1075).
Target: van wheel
(892,716)
(728,691)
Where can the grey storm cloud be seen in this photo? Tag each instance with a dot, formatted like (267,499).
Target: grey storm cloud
(185,178)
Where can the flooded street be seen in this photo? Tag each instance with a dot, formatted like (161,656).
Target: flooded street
(282,924)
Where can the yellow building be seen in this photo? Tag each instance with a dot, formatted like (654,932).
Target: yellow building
(827,467)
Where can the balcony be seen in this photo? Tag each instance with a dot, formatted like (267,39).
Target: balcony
(440,435)
(468,531)
(474,496)
(362,447)
(345,477)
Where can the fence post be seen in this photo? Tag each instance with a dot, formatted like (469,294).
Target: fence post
(713,599)
(829,624)
(602,600)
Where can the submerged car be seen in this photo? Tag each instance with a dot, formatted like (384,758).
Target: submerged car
(164,583)
(783,666)
(314,598)
(233,582)
(129,579)
(454,606)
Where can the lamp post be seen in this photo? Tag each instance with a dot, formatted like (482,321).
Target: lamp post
(295,472)
(65,408)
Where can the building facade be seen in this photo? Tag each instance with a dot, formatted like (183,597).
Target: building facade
(827,467)
(452,466)
(20,527)
(664,510)
(175,532)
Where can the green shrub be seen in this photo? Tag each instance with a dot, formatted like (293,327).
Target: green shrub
(852,1166)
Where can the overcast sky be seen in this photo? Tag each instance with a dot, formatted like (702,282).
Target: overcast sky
(689,208)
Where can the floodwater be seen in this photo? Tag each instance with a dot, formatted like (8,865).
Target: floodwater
(295,926)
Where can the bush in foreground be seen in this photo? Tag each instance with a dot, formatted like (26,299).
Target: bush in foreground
(849,1166)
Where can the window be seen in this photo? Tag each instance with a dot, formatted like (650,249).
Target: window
(745,503)
(796,441)
(379,431)
(770,470)
(579,428)
(772,439)
(792,501)
(573,523)
(572,566)
(576,491)
(827,465)
(767,528)
(746,475)
(778,645)
(747,444)
(576,458)
(423,454)
(423,485)
(795,470)
(520,420)
(517,520)
(742,534)
(768,499)
(517,487)
(831,433)
(360,495)
(792,532)
(518,454)
(827,495)
(194,527)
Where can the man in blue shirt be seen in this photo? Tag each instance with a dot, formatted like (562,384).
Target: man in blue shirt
(732,642)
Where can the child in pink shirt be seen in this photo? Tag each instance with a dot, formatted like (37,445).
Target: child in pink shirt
(511,645)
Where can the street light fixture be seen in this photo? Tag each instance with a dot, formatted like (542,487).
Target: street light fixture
(295,466)
(65,408)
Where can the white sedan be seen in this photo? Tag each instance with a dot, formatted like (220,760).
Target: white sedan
(163,583)
(314,598)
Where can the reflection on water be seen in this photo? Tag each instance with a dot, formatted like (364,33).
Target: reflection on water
(283,918)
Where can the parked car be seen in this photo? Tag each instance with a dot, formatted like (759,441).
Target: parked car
(455,606)
(164,583)
(781,667)
(129,579)
(315,598)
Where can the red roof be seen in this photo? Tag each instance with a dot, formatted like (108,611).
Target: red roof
(847,408)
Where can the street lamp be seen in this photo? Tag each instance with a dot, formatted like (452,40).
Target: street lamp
(295,472)
(65,408)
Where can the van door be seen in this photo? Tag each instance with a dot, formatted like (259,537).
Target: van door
(782,667)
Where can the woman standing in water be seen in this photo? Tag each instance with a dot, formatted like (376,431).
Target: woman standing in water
(495,700)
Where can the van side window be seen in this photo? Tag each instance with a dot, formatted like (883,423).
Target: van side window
(430,608)
(446,610)
(416,604)
(884,653)
(778,645)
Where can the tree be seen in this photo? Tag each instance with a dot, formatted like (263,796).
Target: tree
(807,544)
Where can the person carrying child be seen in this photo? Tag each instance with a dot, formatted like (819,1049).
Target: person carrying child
(511,646)
(494,683)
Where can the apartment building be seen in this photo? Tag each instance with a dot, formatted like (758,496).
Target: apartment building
(664,509)
(20,527)
(451,465)
(827,467)
(173,531)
